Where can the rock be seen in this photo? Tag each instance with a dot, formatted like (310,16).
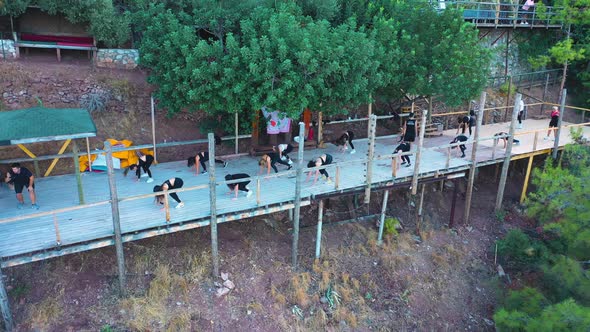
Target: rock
(222,291)
(488,322)
(229,284)
(218,285)
(224,276)
(179,303)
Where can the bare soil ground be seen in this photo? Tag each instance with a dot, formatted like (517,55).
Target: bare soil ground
(429,277)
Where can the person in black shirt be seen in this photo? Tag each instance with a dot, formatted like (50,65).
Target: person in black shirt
(242,186)
(409,131)
(504,137)
(173,183)
(325,159)
(269,160)
(460,138)
(346,137)
(200,159)
(21,177)
(143,162)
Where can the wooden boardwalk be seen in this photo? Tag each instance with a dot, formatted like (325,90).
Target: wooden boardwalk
(36,237)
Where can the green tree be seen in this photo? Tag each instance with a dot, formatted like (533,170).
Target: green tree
(517,250)
(528,300)
(564,316)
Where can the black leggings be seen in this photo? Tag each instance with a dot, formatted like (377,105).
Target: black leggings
(350,138)
(520,116)
(145,165)
(177,184)
(406,159)
(463,148)
(242,186)
(204,161)
(274,161)
(287,150)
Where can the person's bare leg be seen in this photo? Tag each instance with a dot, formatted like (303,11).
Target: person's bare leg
(19,198)
(33,196)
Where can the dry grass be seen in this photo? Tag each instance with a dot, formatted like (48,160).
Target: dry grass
(179,322)
(298,288)
(44,314)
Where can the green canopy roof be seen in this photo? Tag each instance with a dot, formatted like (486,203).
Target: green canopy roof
(41,124)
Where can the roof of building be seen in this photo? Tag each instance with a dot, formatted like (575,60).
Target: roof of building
(41,124)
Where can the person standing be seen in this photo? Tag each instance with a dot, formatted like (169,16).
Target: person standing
(144,162)
(170,184)
(200,159)
(529,5)
(520,117)
(22,178)
(409,131)
(463,124)
(241,186)
(323,160)
(553,123)
(460,138)
(269,160)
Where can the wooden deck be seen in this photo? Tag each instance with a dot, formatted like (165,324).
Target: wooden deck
(35,238)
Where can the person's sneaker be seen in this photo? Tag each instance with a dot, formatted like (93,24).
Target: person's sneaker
(328,180)
(203,172)
(35,206)
(249,193)
(180,205)
(144,175)
(289,168)
(224,164)
(290,161)
(517,143)
(520,126)
(463,156)
(546,138)
(408,165)
(150,180)
(403,163)
(283,158)
(353,151)
(20,206)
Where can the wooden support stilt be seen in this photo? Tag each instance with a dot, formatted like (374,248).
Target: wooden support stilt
(526,179)
(116,217)
(535,141)
(382,218)
(153,114)
(370,155)
(296,216)
(419,154)
(54,161)
(480,115)
(167,208)
(236,150)
(77,171)
(559,121)
(56,226)
(213,201)
(32,155)
(5,306)
(88,154)
(508,154)
(258,192)
(454,204)
(337,178)
(318,241)
(320,129)
(421,204)
(290,211)
(394,164)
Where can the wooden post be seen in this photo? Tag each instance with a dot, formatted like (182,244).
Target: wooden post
(320,129)
(559,121)
(54,161)
(77,171)
(508,154)
(453,204)
(237,133)
(421,204)
(154,127)
(369,114)
(5,305)
(258,192)
(337,178)
(535,141)
(526,179)
(297,208)
(382,218)
(480,115)
(167,208)
(370,154)
(508,96)
(213,201)
(290,211)
(419,154)
(318,241)
(116,217)
(88,154)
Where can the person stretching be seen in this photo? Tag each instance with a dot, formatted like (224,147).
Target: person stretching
(404,147)
(200,159)
(284,150)
(460,138)
(269,160)
(504,139)
(346,137)
(553,123)
(242,186)
(323,160)
(143,162)
(21,177)
(464,123)
(173,183)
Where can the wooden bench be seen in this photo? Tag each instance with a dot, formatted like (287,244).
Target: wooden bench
(264,149)
(59,43)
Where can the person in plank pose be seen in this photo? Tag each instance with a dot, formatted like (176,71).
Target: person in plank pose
(323,160)
(284,150)
(346,138)
(269,160)
(144,162)
(460,138)
(170,184)
(201,159)
(504,137)
(403,147)
(238,186)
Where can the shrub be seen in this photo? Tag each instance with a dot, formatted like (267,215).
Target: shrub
(511,320)
(528,300)
(565,278)
(519,251)
(95,101)
(390,226)
(504,89)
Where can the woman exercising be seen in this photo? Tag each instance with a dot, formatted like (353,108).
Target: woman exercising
(460,138)
(504,137)
(325,159)
(242,186)
(200,159)
(404,147)
(269,160)
(144,162)
(284,150)
(173,183)
(346,137)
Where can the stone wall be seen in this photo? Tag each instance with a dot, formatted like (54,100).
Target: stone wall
(7,49)
(117,58)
